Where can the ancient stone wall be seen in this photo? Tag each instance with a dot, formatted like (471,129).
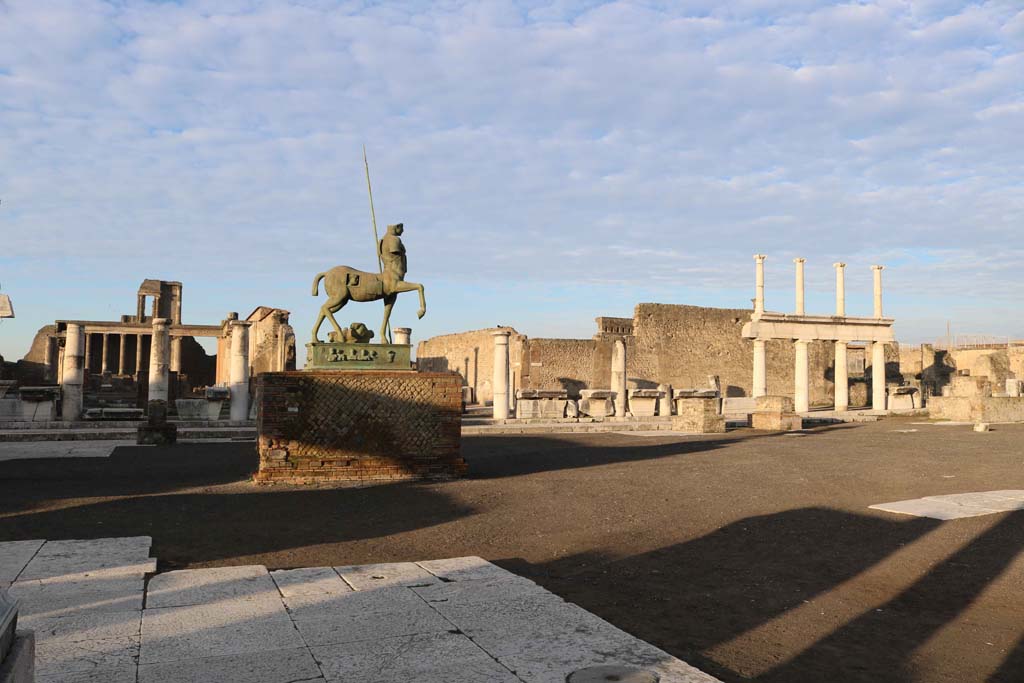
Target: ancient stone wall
(470,354)
(563,364)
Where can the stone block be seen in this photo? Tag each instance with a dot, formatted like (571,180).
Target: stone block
(18,666)
(466,569)
(337,628)
(157,435)
(373,576)
(275,666)
(596,403)
(191,408)
(539,407)
(778,404)
(14,555)
(739,405)
(217,584)
(776,421)
(359,426)
(698,415)
(358,357)
(644,402)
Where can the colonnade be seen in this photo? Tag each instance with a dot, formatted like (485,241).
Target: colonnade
(813,326)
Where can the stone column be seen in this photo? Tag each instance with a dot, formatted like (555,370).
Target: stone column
(878,290)
(121,355)
(759,284)
(665,402)
(760,368)
(239,377)
(402,335)
(842,378)
(159,361)
(500,378)
(840,288)
(138,354)
(511,386)
(73,375)
(878,376)
(801,384)
(104,368)
(799,285)
(619,377)
(176,354)
(88,350)
(49,366)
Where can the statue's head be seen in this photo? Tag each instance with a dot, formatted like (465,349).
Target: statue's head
(396,229)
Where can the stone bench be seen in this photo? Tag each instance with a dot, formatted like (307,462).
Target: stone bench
(534,403)
(39,404)
(114,414)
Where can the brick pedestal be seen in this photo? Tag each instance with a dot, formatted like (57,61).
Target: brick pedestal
(350,426)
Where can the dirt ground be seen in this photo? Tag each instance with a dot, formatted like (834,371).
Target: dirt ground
(753,556)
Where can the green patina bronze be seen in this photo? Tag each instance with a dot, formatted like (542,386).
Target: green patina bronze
(343,284)
(355,356)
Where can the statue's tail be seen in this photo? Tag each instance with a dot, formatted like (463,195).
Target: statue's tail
(316,283)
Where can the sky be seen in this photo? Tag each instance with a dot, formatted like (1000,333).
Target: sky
(552,162)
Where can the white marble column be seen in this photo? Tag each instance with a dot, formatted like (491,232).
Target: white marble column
(665,402)
(73,373)
(175,354)
(104,368)
(842,378)
(760,368)
(759,283)
(88,349)
(878,290)
(121,356)
(159,361)
(799,285)
(878,376)
(239,369)
(402,335)
(500,376)
(840,288)
(619,377)
(511,384)
(801,379)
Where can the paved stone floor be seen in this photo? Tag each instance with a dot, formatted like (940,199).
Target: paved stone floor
(58,449)
(461,620)
(958,505)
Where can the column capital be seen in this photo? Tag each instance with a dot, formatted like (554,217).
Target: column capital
(799,259)
(839,265)
(760,258)
(501,333)
(802,341)
(876,267)
(234,323)
(159,322)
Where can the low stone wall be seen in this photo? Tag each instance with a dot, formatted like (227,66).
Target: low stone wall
(976,408)
(358,426)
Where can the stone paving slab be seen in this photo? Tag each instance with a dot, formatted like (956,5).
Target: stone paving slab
(202,586)
(31,450)
(54,597)
(958,505)
(14,556)
(432,657)
(353,604)
(346,628)
(125,673)
(309,581)
(465,569)
(279,666)
(372,576)
(227,627)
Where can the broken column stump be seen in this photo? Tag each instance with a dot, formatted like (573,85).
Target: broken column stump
(157,431)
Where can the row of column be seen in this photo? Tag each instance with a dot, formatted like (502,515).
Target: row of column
(161,364)
(840,286)
(801,377)
(122,355)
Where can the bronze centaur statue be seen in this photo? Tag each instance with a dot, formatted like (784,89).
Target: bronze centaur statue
(344,284)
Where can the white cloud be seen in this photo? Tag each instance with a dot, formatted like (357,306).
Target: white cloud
(639,137)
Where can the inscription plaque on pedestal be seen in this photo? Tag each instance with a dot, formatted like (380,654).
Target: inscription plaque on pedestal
(350,356)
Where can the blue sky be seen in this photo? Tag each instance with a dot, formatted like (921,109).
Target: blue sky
(552,161)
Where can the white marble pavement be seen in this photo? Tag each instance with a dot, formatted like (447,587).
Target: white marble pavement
(958,505)
(459,620)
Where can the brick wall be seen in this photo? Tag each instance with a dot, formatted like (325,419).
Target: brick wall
(317,426)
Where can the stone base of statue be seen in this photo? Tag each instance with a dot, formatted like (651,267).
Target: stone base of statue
(358,426)
(351,356)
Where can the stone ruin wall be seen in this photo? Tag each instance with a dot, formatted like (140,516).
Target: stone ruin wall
(471,354)
(674,344)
